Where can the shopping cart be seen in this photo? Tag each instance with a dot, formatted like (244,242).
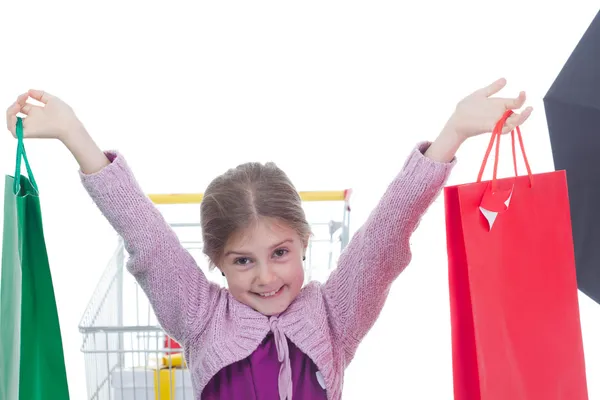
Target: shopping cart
(127,354)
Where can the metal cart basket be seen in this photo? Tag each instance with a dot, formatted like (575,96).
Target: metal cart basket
(127,354)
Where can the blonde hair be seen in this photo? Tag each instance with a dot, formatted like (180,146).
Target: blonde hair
(240,197)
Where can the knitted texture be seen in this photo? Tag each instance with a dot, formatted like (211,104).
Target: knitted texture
(326,321)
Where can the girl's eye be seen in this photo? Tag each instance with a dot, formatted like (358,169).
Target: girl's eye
(242,261)
(280,252)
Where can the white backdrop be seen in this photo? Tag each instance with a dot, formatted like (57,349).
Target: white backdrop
(188,90)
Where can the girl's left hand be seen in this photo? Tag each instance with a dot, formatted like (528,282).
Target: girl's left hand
(479,112)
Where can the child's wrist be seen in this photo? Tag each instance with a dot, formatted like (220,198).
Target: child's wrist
(73,133)
(89,156)
(444,148)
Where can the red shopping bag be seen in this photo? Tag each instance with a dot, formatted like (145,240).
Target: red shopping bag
(516,331)
(171,344)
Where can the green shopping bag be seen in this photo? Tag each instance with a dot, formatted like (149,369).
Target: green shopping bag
(32,365)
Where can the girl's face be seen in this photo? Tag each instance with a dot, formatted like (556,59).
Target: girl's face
(263,266)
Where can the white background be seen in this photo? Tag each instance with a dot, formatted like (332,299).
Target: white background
(188,89)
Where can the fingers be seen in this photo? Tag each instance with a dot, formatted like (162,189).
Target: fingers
(493,88)
(13,110)
(516,120)
(26,109)
(21,106)
(22,99)
(39,95)
(11,118)
(525,114)
(516,103)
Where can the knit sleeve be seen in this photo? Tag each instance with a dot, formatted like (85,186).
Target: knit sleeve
(177,289)
(379,251)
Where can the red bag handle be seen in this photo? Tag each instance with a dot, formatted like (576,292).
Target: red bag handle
(496,135)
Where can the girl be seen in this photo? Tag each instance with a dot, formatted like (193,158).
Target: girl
(265,337)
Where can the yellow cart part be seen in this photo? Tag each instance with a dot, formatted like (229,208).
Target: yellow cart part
(164,384)
(174,361)
(196,198)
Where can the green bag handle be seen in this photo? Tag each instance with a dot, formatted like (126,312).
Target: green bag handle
(22,155)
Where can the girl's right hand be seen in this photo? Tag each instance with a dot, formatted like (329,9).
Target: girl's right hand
(54,119)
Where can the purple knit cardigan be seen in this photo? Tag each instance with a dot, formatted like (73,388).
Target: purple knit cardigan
(326,321)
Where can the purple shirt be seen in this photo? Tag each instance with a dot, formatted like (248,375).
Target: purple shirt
(257,377)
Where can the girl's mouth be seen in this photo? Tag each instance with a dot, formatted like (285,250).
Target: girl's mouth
(269,295)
